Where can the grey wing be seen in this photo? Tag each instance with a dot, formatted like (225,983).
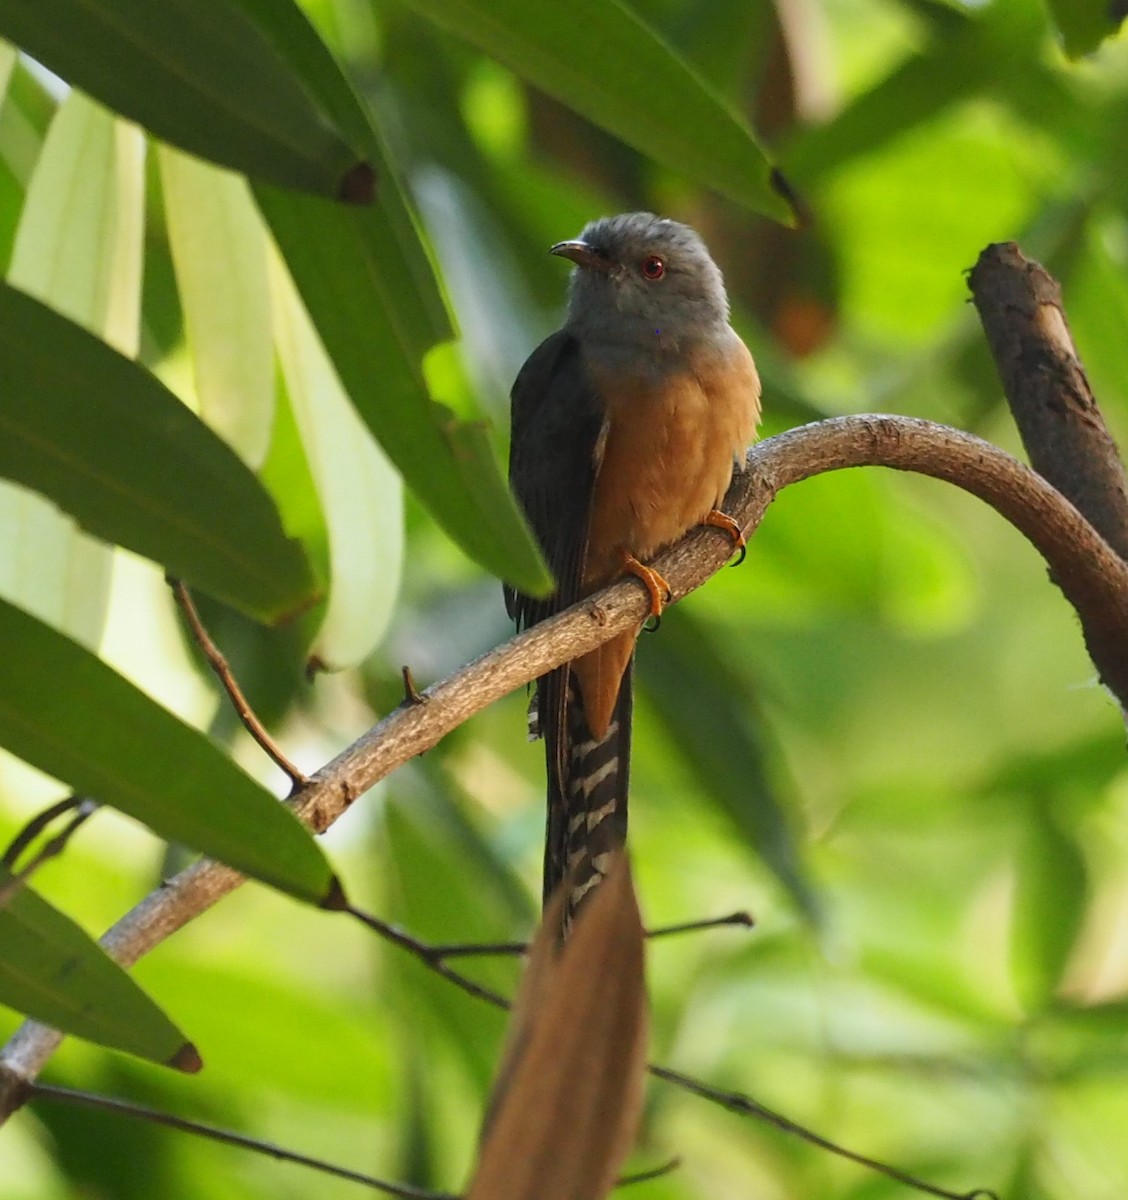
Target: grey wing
(557,421)
(553,459)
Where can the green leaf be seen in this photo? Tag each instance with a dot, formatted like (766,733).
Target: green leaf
(369,287)
(66,712)
(361,493)
(1084,24)
(419,314)
(950,65)
(599,58)
(245,1014)
(7,63)
(79,243)
(711,717)
(78,249)
(994,49)
(353,273)
(1050,900)
(204,75)
(113,447)
(53,971)
(218,248)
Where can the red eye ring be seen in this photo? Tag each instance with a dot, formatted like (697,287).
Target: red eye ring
(653,267)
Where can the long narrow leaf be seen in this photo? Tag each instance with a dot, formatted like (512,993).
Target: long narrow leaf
(66,712)
(599,58)
(378,311)
(105,441)
(218,250)
(202,74)
(53,971)
(419,315)
(361,492)
(347,269)
(78,249)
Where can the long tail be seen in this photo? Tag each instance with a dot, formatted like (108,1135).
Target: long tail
(587,786)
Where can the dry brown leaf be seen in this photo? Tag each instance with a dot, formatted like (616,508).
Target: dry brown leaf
(567,1104)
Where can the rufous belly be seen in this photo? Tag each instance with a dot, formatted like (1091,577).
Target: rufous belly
(667,461)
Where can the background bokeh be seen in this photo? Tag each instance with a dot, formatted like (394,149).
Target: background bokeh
(881,734)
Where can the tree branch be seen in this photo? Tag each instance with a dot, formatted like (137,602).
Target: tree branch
(1091,575)
(1061,425)
(221,669)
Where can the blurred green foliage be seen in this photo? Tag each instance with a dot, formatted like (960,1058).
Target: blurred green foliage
(880,734)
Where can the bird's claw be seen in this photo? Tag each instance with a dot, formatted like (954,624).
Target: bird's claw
(659,589)
(721,520)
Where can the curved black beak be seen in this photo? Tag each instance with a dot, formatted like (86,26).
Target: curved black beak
(583,255)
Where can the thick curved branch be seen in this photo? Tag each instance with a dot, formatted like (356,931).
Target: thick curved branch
(1090,574)
(1093,578)
(1062,426)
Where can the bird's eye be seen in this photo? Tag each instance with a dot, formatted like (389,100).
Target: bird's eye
(653,267)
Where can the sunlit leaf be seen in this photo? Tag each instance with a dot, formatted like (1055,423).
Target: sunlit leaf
(361,494)
(78,249)
(204,75)
(79,243)
(970,50)
(245,1017)
(110,445)
(905,193)
(53,971)
(66,712)
(353,274)
(598,57)
(377,316)
(219,251)
(916,90)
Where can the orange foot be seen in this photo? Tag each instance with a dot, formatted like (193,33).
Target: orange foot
(658,588)
(720,520)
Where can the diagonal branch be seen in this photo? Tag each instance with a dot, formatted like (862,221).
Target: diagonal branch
(1093,578)
(221,669)
(1061,424)
(1062,427)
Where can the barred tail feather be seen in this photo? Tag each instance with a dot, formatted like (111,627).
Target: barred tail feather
(587,789)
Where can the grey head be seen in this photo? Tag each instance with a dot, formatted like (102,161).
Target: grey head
(645,281)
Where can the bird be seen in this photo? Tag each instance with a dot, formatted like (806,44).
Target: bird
(626,427)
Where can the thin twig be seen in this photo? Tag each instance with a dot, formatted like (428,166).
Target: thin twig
(742,919)
(50,849)
(239,702)
(1094,579)
(427,955)
(431,957)
(126,1108)
(36,826)
(646,1176)
(478,950)
(738,1103)
(514,949)
(411,694)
